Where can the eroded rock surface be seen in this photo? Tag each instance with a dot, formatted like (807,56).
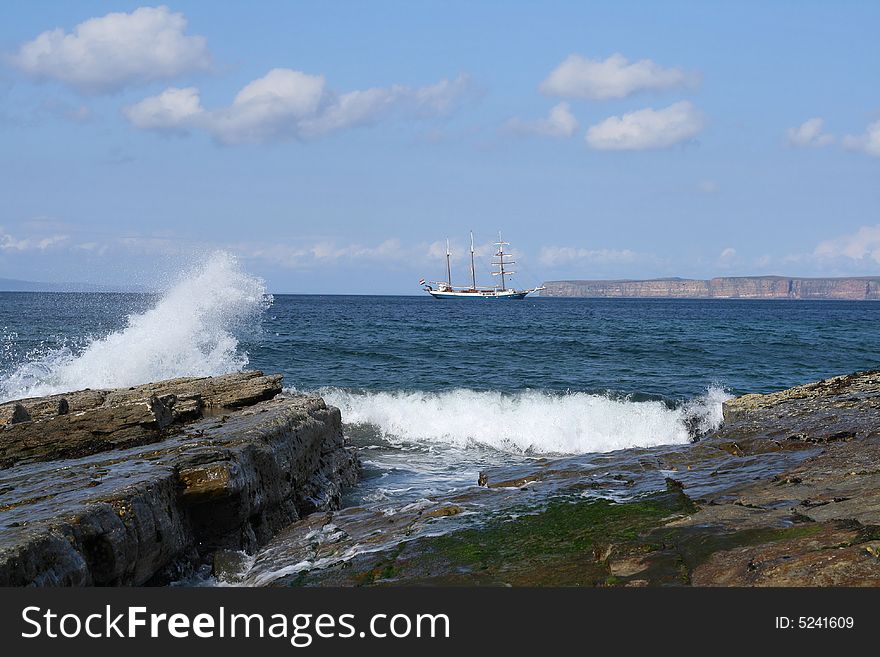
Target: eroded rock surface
(132,486)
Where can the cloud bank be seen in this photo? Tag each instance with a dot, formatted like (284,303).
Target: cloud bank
(9,243)
(290,104)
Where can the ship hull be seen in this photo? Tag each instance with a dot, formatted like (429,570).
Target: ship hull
(498,296)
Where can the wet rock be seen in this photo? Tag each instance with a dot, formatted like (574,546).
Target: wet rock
(91,421)
(444,511)
(837,409)
(519,482)
(229,565)
(136,483)
(813,524)
(835,554)
(628,567)
(673,484)
(13,414)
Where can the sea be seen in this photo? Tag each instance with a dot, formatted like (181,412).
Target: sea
(434,392)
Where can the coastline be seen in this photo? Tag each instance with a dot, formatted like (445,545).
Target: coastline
(852,288)
(162,478)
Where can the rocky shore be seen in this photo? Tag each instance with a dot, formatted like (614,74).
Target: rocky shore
(785,493)
(141,485)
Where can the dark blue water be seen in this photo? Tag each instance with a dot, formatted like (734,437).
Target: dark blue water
(672,348)
(431,391)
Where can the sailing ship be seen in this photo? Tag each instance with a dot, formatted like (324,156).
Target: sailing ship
(446,290)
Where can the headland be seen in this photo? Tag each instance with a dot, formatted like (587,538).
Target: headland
(732,287)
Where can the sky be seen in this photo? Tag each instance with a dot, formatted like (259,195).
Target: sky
(334,146)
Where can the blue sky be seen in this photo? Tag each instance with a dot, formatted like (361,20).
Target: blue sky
(333,146)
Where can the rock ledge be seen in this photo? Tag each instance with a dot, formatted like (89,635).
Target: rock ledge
(135,486)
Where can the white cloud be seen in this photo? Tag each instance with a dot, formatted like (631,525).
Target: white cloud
(861,245)
(10,243)
(351,109)
(809,133)
(439,98)
(647,128)
(291,104)
(114,51)
(615,77)
(552,256)
(172,110)
(868,142)
(727,257)
(268,106)
(559,123)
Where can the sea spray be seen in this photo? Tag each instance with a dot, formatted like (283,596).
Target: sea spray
(192,330)
(527,422)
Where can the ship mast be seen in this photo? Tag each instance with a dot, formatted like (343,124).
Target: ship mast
(448,267)
(473,271)
(500,254)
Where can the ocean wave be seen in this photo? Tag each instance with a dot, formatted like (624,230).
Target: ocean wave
(528,422)
(193,330)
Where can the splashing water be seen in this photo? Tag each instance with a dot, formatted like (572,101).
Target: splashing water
(192,330)
(530,422)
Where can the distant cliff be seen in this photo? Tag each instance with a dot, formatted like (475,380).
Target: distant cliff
(738,287)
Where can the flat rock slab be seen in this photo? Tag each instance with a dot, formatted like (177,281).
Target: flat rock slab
(133,497)
(91,421)
(834,410)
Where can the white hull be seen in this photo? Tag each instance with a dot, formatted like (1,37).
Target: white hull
(480,294)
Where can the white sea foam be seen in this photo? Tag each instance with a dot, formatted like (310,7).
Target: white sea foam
(191,331)
(529,421)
